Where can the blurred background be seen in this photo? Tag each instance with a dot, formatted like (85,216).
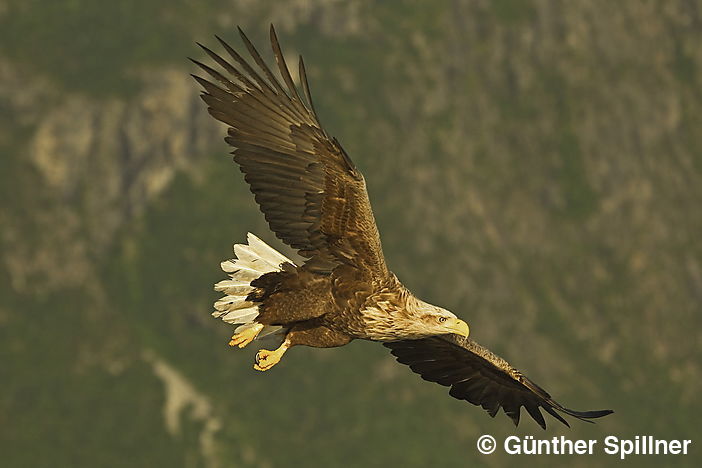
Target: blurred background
(534,166)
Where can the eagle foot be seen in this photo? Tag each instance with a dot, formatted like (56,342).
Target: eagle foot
(247,336)
(266,359)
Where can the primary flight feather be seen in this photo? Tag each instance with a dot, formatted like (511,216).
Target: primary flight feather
(315,200)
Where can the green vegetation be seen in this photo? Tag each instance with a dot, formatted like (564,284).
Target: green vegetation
(98,48)
(525,172)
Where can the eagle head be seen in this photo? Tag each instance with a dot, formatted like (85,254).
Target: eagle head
(413,320)
(432,320)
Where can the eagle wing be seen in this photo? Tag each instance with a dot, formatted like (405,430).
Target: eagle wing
(480,377)
(310,192)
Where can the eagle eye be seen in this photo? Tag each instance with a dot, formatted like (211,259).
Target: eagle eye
(442,319)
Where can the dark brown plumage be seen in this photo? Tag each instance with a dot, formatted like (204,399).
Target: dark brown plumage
(315,200)
(480,377)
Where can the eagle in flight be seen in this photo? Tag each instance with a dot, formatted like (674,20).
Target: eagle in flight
(314,199)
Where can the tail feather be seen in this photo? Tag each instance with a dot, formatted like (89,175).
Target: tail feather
(231,303)
(233,288)
(252,261)
(243,316)
(267,253)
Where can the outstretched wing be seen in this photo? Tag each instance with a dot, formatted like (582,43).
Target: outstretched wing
(480,377)
(309,190)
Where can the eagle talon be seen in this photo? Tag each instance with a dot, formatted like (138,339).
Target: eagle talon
(247,336)
(266,359)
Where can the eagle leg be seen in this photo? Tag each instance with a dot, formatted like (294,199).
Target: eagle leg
(247,336)
(266,359)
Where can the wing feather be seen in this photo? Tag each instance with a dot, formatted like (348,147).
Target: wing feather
(282,66)
(480,377)
(306,87)
(307,187)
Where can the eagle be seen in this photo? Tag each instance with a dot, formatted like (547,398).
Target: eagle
(314,199)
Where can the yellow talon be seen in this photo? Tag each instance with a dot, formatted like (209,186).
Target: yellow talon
(266,359)
(247,336)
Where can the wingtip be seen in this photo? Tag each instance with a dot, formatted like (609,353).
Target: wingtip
(243,35)
(223,43)
(204,47)
(198,63)
(594,414)
(201,81)
(585,416)
(202,65)
(273,35)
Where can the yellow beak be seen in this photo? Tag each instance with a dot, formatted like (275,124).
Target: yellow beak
(459,327)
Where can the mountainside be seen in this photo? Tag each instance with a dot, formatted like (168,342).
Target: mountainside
(534,167)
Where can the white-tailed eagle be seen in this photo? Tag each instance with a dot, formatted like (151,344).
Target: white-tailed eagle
(314,199)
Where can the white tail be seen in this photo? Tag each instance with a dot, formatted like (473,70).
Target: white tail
(252,261)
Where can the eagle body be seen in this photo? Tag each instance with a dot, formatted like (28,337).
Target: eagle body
(329,310)
(315,200)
